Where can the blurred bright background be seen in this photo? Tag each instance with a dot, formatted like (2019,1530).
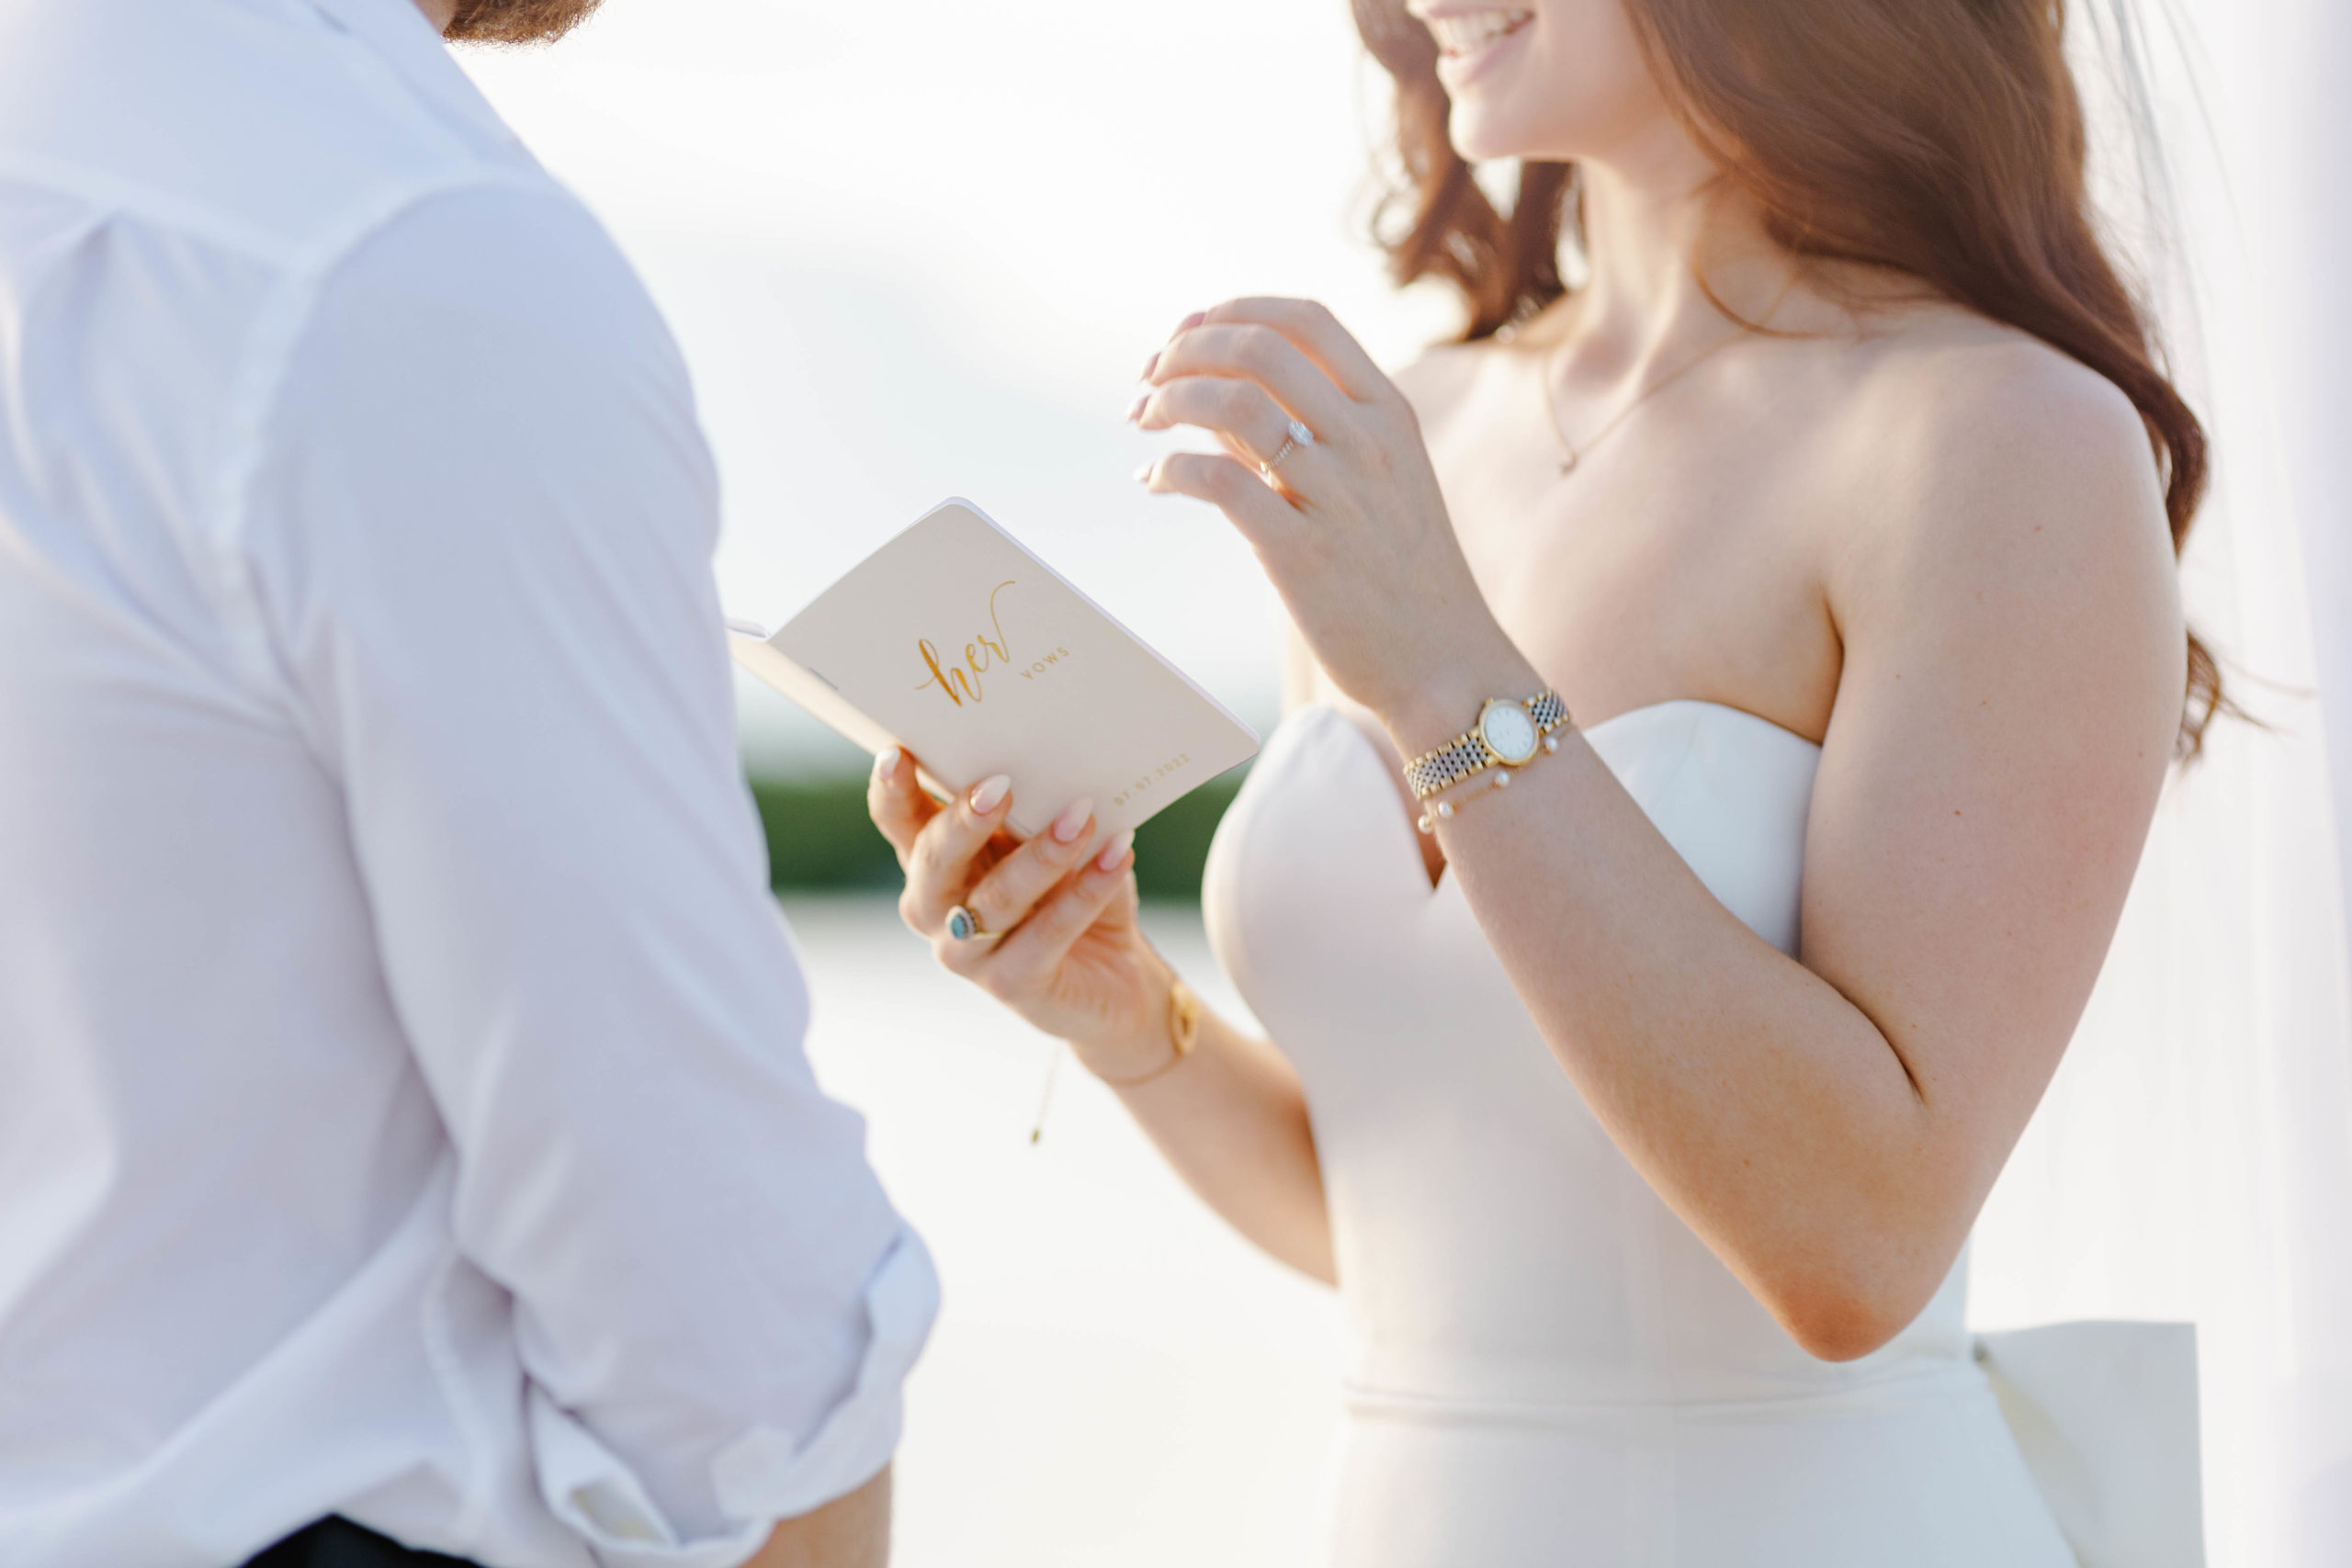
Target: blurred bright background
(921,250)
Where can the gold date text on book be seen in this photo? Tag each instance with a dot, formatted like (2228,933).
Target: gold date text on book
(961,680)
(1143,783)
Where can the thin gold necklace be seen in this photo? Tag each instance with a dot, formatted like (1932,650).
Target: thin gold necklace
(1571,454)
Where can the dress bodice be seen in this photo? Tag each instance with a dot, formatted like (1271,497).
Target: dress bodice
(1494,1248)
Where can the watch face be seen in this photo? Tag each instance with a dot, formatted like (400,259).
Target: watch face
(1508,731)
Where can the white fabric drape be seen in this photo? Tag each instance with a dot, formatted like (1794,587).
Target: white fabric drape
(2193,1160)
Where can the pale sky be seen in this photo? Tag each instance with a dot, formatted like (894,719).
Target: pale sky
(921,250)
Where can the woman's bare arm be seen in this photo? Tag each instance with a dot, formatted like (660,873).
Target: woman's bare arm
(1072,959)
(1232,1120)
(2009,698)
(2011,688)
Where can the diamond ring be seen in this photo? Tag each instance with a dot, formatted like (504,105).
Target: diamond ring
(1296,436)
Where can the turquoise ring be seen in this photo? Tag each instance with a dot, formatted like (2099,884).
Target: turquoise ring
(963,925)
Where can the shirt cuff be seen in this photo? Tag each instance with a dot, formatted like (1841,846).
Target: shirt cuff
(766,1474)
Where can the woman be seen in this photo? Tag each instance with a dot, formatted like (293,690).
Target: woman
(1641,1114)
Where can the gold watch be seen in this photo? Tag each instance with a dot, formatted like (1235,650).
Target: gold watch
(1509,734)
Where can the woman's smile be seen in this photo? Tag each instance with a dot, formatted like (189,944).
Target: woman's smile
(1470,40)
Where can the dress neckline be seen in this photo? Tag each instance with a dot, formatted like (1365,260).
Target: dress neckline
(1372,750)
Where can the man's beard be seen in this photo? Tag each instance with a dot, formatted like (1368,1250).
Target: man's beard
(516,22)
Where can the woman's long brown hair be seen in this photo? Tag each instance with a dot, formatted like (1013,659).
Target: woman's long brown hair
(1943,139)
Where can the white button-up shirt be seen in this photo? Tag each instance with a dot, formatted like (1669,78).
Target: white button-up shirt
(401,1105)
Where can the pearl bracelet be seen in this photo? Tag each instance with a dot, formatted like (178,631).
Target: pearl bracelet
(1442,810)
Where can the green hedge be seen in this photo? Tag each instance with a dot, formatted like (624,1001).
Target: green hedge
(819,837)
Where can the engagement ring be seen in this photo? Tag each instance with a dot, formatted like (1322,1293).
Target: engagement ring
(1296,436)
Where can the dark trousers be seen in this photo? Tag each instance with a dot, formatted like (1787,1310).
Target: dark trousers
(339,1543)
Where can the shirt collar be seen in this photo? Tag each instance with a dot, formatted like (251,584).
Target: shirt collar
(397,31)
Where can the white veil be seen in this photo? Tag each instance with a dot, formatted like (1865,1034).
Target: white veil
(2193,1159)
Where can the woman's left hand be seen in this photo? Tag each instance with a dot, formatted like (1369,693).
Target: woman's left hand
(1351,528)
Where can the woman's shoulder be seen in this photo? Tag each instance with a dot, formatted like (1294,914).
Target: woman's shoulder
(1987,455)
(1949,421)
(1937,387)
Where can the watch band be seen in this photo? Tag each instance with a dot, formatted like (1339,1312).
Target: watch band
(1467,753)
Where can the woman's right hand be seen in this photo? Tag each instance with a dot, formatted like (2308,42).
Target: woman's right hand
(1063,947)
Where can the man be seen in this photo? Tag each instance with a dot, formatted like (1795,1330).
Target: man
(406,1125)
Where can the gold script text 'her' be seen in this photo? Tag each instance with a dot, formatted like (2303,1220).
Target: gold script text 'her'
(961,681)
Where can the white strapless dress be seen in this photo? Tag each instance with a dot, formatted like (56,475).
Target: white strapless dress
(1545,1365)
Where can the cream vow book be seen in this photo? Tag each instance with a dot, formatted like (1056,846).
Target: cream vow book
(958,644)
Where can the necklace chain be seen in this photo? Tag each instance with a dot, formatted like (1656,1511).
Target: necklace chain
(1571,454)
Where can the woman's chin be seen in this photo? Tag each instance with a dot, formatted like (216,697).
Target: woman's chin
(1481,135)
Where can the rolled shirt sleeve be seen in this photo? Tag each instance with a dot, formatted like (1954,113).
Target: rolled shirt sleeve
(481,529)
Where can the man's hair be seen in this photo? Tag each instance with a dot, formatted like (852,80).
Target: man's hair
(516,22)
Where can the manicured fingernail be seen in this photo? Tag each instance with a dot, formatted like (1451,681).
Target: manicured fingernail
(988,794)
(1116,849)
(1072,821)
(1143,474)
(1134,410)
(1195,320)
(1149,367)
(886,763)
